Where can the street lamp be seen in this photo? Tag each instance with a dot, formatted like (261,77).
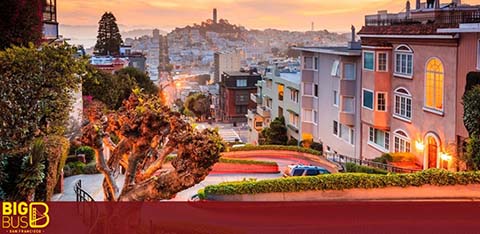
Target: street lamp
(419,145)
(445,157)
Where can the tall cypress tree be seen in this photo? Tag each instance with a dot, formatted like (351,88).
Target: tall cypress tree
(109,38)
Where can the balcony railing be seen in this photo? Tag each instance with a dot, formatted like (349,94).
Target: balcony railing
(449,18)
(341,159)
(263,111)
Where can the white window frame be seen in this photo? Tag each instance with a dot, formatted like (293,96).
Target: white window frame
(385,95)
(363,60)
(433,109)
(241,81)
(378,61)
(304,63)
(354,71)
(336,98)
(373,101)
(404,96)
(294,98)
(312,120)
(313,91)
(402,139)
(407,53)
(335,68)
(374,144)
(353,102)
(293,119)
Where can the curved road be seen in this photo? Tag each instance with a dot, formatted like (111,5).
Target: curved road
(93,183)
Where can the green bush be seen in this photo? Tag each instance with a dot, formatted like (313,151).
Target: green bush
(234,161)
(88,151)
(78,168)
(352,167)
(396,157)
(292,141)
(341,181)
(316,146)
(278,147)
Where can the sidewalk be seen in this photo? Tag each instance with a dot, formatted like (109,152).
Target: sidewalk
(92,184)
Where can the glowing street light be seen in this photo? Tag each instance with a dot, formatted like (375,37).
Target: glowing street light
(445,157)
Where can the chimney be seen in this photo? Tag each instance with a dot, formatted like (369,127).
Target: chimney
(353,44)
(417,5)
(407,12)
(456,2)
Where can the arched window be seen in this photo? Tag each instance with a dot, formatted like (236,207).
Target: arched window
(403,104)
(403,61)
(434,84)
(401,141)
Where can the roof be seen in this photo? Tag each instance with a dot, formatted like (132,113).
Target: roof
(413,29)
(292,77)
(338,50)
(238,73)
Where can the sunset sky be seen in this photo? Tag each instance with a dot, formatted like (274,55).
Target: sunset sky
(334,15)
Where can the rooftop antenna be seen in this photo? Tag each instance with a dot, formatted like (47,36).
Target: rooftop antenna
(313,26)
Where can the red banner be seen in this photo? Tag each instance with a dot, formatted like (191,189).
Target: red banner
(249,217)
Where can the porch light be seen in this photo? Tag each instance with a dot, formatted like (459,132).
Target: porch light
(419,145)
(445,157)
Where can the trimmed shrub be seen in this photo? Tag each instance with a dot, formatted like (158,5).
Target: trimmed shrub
(352,167)
(396,157)
(278,147)
(88,151)
(292,141)
(341,181)
(78,168)
(316,146)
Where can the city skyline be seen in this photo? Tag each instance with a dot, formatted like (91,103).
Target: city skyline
(166,15)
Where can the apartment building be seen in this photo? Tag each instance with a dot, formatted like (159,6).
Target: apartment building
(235,90)
(278,95)
(226,62)
(414,67)
(330,85)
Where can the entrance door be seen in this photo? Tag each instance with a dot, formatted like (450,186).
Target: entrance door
(432,152)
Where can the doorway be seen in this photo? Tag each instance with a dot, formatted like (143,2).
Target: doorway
(432,152)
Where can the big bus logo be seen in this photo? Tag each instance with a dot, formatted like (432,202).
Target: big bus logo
(24,216)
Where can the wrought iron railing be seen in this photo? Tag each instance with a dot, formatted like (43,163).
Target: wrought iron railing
(454,18)
(82,195)
(341,159)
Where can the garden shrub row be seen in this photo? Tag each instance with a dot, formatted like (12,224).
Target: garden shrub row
(235,161)
(341,181)
(352,167)
(277,147)
(77,168)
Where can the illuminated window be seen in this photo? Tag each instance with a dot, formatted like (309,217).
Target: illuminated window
(281,88)
(434,85)
(402,141)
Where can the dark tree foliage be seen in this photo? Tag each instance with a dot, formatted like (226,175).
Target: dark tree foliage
(20,22)
(36,93)
(142,79)
(473,79)
(198,104)
(107,88)
(109,39)
(276,134)
(471,119)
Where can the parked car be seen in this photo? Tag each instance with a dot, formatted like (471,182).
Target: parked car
(304,170)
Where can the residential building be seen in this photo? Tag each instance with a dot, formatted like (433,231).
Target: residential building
(49,17)
(413,77)
(109,64)
(235,90)
(136,59)
(278,95)
(226,62)
(331,82)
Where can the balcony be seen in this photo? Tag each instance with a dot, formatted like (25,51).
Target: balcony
(347,118)
(256,98)
(347,87)
(264,111)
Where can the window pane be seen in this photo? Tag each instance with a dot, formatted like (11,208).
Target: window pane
(308,89)
(348,104)
(335,127)
(368,99)
(368,60)
(349,71)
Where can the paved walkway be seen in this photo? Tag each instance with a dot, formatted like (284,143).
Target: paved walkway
(92,184)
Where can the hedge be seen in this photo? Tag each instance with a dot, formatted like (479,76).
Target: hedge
(278,147)
(78,168)
(352,167)
(341,181)
(234,161)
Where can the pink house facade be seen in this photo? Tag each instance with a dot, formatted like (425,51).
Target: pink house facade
(414,68)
